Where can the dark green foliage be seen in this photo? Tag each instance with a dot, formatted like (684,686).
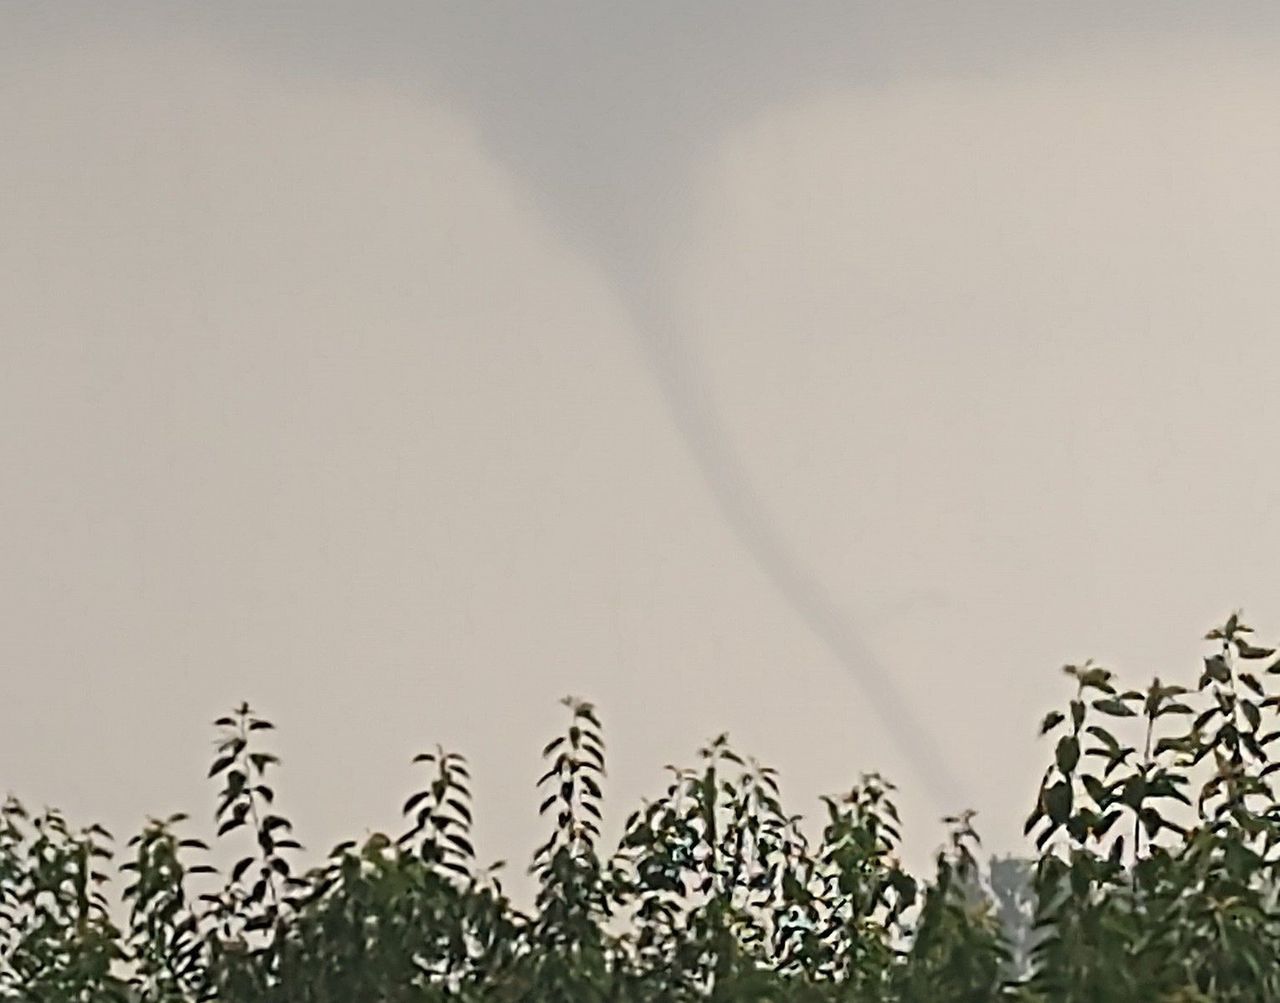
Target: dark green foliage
(1156,833)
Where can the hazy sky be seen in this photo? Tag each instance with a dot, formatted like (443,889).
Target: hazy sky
(826,374)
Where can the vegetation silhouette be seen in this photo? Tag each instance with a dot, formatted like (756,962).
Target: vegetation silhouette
(1155,836)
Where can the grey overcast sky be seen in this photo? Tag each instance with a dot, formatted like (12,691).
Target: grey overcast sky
(829,374)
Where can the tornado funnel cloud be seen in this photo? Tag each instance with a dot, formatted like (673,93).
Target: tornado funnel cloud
(611,148)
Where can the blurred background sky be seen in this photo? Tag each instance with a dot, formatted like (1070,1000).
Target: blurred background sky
(829,374)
